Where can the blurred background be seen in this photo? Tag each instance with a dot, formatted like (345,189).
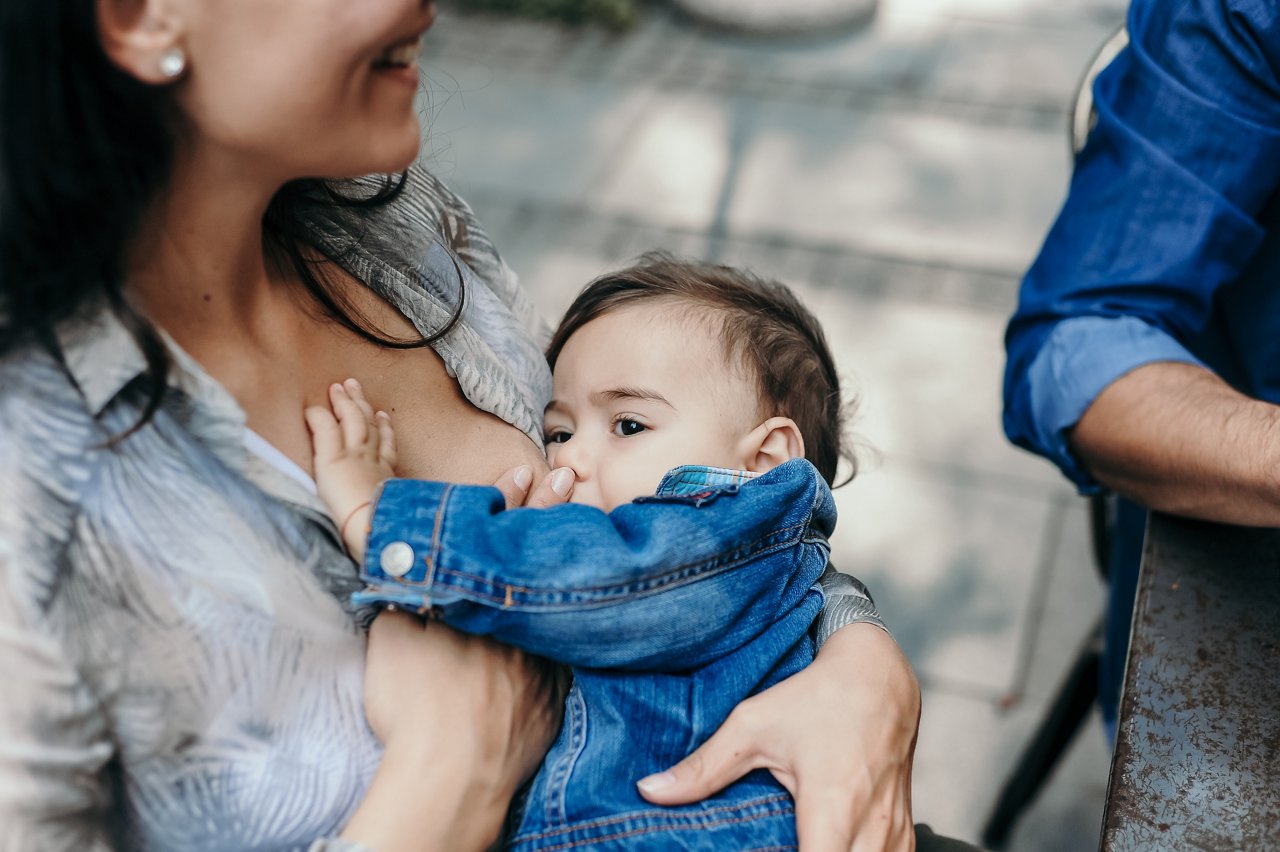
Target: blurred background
(899,172)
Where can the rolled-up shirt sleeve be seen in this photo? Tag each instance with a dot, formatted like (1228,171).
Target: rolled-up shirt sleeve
(1162,212)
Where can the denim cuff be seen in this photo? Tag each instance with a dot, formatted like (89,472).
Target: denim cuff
(1080,359)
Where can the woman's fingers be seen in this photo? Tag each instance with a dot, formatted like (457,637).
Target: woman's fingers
(885,823)
(729,754)
(825,823)
(514,485)
(326,437)
(386,440)
(853,794)
(355,429)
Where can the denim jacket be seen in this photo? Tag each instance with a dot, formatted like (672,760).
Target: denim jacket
(671,609)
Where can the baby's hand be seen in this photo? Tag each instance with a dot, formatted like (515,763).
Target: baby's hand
(354,451)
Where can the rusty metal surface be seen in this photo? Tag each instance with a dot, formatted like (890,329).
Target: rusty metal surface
(1197,761)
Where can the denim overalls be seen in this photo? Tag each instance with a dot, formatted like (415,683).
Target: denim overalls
(671,610)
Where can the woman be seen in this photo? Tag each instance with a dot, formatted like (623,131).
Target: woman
(183,668)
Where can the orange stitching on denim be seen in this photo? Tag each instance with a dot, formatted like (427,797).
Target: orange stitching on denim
(665,814)
(433,557)
(576,844)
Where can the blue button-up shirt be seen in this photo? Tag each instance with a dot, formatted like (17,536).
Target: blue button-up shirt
(1166,248)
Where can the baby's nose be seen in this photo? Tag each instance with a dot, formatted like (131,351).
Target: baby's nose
(574,455)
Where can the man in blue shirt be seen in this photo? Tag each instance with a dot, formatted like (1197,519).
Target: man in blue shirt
(1144,356)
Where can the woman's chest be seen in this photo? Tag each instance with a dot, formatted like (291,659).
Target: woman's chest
(439,433)
(210,619)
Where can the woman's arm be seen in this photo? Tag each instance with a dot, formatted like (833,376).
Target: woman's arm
(452,764)
(54,738)
(454,757)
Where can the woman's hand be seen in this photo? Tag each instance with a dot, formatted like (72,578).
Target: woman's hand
(840,736)
(464,721)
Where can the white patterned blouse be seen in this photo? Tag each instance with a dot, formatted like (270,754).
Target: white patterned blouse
(180,667)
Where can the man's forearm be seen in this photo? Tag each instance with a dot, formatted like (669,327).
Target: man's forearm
(1176,438)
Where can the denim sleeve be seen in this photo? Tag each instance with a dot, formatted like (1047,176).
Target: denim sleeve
(1162,212)
(668,583)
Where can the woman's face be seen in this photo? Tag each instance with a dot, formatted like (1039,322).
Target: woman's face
(304,88)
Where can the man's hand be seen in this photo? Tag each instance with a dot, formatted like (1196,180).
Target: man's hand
(840,736)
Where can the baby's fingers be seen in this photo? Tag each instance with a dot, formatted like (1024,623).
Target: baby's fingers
(326,437)
(554,489)
(514,485)
(355,429)
(356,391)
(386,440)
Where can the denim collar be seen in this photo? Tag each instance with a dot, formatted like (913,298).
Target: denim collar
(691,479)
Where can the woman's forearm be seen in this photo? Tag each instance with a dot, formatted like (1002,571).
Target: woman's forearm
(1176,438)
(463,722)
(414,806)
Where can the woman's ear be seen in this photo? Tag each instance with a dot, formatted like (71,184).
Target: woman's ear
(773,442)
(142,38)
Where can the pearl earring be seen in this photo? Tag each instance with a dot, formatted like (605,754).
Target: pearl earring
(172,63)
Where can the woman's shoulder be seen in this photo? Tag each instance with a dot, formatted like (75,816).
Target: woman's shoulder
(46,446)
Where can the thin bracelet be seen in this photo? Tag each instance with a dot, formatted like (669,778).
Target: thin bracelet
(342,530)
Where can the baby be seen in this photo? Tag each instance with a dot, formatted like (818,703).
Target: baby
(700,413)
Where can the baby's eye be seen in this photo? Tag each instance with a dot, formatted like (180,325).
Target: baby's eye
(625,427)
(558,437)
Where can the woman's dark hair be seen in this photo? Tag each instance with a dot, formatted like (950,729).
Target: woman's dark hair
(761,323)
(85,147)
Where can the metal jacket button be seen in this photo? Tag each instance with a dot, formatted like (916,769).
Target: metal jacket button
(396,559)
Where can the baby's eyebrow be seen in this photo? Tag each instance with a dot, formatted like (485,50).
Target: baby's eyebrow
(625,393)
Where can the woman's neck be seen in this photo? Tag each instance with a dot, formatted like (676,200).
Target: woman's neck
(199,266)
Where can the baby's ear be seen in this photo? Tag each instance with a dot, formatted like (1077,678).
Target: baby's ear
(773,442)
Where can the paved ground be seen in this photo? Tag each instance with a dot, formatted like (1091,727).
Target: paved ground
(901,177)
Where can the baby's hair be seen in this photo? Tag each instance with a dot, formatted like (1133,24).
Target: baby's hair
(762,324)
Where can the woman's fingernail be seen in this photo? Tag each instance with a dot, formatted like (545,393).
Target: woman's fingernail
(523,477)
(562,481)
(654,783)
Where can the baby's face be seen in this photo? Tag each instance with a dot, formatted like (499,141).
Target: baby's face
(639,391)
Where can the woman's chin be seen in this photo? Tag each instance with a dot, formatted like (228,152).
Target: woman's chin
(385,154)
(394,161)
